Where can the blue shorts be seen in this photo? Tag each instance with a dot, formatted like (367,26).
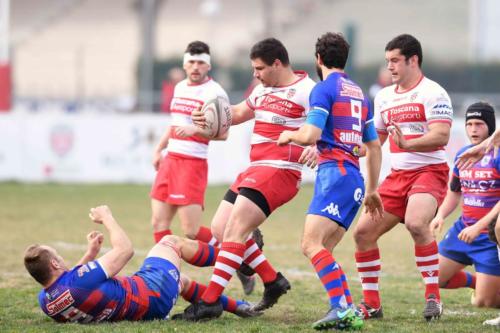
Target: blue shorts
(482,252)
(337,195)
(163,278)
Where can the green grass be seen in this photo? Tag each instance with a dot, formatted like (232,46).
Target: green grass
(57,215)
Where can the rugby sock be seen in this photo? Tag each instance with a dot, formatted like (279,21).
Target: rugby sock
(462,279)
(427,260)
(158,235)
(195,289)
(228,261)
(329,274)
(368,265)
(205,235)
(345,286)
(204,256)
(254,258)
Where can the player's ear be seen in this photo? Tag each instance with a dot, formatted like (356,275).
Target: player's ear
(318,60)
(277,63)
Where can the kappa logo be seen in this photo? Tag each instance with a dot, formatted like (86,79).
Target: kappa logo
(332,209)
(173,273)
(486,160)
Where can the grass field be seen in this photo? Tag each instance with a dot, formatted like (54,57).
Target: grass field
(57,215)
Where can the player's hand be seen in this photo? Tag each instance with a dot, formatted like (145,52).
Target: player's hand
(198,118)
(157,157)
(185,131)
(374,206)
(397,135)
(473,155)
(309,156)
(436,225)
(100,213)
(470,233)
(285,138)
(94,240)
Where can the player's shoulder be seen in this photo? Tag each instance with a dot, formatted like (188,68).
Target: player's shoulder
(386,92)
(217,88)
(432,88)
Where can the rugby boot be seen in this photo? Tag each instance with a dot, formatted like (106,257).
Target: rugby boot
(272,292)
(433,308)
(340,319)
(364,311)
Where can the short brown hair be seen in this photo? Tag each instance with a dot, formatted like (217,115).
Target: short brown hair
(36,261)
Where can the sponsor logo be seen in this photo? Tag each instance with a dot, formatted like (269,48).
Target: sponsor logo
(350,137)
(358,195)
(82,270)
(92,265)
(177,196)
(173,273)
(351,90)
(332,209)
(278,120)
(60,303)
(473,202)
(61,140)
(250,180)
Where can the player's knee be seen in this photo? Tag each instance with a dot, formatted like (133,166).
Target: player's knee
(416,228)
(173,239)
(159,223)
(309,248)
(483,301)
(190,232)
(217,232)
(363,235)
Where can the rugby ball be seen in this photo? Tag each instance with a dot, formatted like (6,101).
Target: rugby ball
(217,113)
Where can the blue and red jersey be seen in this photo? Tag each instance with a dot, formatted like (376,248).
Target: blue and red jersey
(85,294)
(480,187)
(340,108)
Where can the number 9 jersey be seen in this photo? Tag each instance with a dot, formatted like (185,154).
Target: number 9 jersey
(340,109)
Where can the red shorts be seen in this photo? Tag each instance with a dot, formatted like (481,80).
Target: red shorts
(278,186)
(401,184)
(181,180)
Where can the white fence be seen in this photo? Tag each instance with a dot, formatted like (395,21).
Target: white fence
(91,148)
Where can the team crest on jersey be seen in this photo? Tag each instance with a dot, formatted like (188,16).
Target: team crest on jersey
(486,160)
(60,303)
(291,92)
(413,96)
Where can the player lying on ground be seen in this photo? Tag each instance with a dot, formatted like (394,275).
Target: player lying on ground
(92,291)
(477,188)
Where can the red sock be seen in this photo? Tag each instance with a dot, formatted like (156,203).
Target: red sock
(228,261)
(158,235)
(427,260)
(368,264)
(193,292)
(204,256)
(462,279)
(256,259)
(205,235)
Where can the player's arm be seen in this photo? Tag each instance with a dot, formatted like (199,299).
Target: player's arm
(474,154)
(241,113)
(373,202)
(162,144)
(308,133)
(94,240)
(437,136)
(121,251)
(469,234)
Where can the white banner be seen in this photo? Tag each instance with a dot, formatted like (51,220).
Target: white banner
(118,148)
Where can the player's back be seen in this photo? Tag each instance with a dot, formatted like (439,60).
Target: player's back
(85,294)
(348,113)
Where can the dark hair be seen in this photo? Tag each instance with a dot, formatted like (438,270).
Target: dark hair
(333,50)
(197,47)
(407,45)
(268,50)
(491,230)
(36,261)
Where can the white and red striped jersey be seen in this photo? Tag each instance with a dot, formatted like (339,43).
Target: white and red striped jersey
(413,110)
(278,109)
(187,98)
